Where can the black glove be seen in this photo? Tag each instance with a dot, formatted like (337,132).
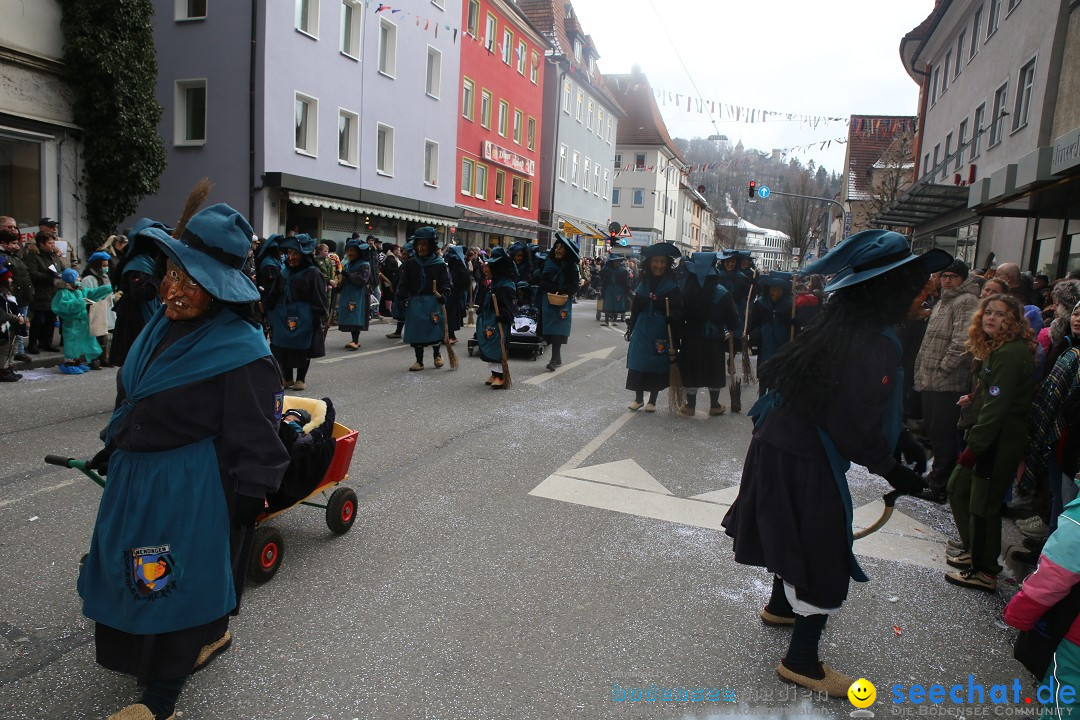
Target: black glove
(248,509)
(100,462)
(908,450)
(905,480)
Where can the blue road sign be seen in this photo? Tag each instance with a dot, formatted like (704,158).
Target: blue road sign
(624,242)
(764,192)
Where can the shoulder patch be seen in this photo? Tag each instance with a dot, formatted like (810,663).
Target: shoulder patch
(279,405)
(995,390)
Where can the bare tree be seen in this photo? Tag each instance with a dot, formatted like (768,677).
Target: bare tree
(796,214)
(890,177)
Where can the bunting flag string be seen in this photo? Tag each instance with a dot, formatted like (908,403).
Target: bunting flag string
(730,164)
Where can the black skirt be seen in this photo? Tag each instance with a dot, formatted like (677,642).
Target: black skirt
(701,361)
(646,382)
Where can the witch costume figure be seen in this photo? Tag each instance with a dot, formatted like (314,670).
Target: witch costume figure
(657,308)
(457,306)
(424,286)
(709,313)
(297,316)
(197,406)
(615,284)
(137,285)
(836,400)
(770,318)
(559,276)
(355,293)
(493,328)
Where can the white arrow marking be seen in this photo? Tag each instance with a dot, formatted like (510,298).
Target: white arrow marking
(350,356)
(545,376)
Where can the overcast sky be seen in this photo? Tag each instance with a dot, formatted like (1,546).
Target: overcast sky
(829,58)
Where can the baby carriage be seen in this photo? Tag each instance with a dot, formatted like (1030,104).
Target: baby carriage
(525,332)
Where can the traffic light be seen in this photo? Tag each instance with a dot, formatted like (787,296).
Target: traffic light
(613,240)
(752,191)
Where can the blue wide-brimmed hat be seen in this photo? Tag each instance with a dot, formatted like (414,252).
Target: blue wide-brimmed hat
(571,245)
(661,249)
(499,258)
(425,233)
(776,278)
(99,255)
(303,244)
(212,250)
(456,252)
(870,253)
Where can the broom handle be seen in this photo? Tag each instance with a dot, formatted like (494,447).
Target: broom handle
(793,296)
(445,322)
(670,337)
(731,357)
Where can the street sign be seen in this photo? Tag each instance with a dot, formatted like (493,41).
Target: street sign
(625,233)
(764,192)
(624,242)
(795,251)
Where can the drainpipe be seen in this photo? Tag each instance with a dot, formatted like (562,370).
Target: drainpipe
(251,111)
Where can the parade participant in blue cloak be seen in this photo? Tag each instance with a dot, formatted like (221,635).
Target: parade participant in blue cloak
(424,286)
(709,313)
(615,288)
(770,318)
(296,320)
(355,293)
(191,452)
(493,328)
(836,400)
(268,268)
(457,305)
(137,284)
(657,303)
(560,277)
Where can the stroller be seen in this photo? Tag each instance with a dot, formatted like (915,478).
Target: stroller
(525,332)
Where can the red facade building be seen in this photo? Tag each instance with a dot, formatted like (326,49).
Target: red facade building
(501,109)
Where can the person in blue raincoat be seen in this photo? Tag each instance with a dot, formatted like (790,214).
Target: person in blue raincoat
(69,303)
(493,328)
(615,288)
(136,280)
(191,451)
(709,313)
(836,399)
(296,332)
(424,286)
(355,294)
(770,318)
(656,305)
(560,276)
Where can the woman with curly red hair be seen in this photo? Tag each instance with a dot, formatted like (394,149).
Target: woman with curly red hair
(1003,345)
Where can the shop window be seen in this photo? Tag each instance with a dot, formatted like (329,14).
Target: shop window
(20,178)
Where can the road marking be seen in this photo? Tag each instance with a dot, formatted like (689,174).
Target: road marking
(581,455)
(350,356)
(626,487)
(545,376)
(27,496)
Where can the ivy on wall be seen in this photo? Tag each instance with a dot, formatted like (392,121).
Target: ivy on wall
(112,69)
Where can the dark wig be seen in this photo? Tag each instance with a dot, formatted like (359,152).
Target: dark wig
(807,370)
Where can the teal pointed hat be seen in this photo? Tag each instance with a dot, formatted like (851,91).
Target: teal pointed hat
(870,253)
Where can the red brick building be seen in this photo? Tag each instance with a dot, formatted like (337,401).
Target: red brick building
(501,110)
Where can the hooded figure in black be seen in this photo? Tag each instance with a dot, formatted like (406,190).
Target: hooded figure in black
(458,304)
(836,399)
(771,318)
(656,309)
(138,277)
(559,276)
(493,325)
(708,312)
(424,288)
(615,287)
(297,316)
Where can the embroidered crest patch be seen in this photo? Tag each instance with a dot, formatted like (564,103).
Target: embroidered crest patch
(293,323)
(352,307)
(150,572)
(563,314)
(995,390)
(661,346)
(489,332)
(435,318)
(279,405)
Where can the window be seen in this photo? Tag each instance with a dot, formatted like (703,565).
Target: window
(639,161)
(507,45)
(638,200)
(596,180)
(607,183)
(348,142)
(387,47)
(480,189)
(609,130)
(1012,4)
(467,170)
(190,9)
(489,33)
(589,122)
(472,24)
(977,130)
(515,192)
(485,109)
(500,186)
(976,28)
(190,113)
(532,134)
(574,168)
(600,122)
(467,101)
(1023,96)
(352,18)
(945,75)
(534,69)
(934,85)
(434,72)
(961,142)
(997,120)
(959,54)
(926,164)
(586,177)
(438,4)
(618,161)
(384,150)
(615,193)
(993,18)
(566,97)
(937,155)
(580,104)
(307,124)
(526,195)
(562,163)
(431,163)
(522,55)
(307,17)
(948,156)
(504,116)
(518,120)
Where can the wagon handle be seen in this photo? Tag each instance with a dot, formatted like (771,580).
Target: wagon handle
(80,465)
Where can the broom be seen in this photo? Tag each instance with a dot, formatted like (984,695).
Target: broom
(502,340)
(445,329)
(471,318)
(676,396)
(747,371)
(734,383)
(194,200)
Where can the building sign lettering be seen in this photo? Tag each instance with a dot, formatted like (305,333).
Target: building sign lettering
(1066,152)
(512,160)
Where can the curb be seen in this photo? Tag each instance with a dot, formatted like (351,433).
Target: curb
(37,362)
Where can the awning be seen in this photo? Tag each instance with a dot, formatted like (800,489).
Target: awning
(579,227)
(569,227)
(923,203)
(598,233)
(496,224)
(329,203)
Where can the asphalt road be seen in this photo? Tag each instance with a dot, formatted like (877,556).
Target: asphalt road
(494,570)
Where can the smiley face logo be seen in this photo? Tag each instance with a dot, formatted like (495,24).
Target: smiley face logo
(862,693)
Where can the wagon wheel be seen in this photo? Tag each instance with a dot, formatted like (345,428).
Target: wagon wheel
(267,552)
(341,510)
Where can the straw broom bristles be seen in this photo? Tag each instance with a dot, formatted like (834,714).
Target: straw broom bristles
(676,395)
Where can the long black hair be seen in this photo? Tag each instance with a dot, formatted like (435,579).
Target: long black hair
(807,370)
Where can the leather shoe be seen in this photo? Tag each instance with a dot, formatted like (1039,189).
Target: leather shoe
(33,350)
(23,357)
(932,496)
